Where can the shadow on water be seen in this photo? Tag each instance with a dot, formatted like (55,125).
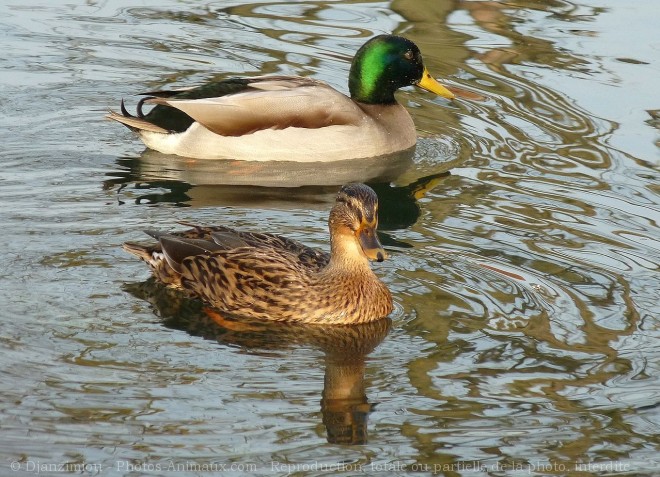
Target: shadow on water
(344,404)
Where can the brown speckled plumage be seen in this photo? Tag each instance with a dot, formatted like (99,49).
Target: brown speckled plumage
(270,277)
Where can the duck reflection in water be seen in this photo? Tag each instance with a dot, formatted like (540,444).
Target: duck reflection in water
(153,178)
(345,407)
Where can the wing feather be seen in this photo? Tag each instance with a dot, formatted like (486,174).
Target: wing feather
(245,279)
(277,104)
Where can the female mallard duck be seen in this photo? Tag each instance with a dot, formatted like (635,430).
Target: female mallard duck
(270,277)
(290,118)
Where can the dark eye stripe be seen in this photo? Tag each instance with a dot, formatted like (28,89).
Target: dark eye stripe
(358,214)
(362,200)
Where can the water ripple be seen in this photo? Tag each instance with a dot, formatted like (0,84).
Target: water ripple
(523,238)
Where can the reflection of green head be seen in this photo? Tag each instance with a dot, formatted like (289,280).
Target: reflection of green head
(384,64)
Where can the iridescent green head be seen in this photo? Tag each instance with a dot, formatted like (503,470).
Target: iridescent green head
(386,63)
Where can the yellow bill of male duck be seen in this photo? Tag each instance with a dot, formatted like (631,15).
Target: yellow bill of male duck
(269,277)
(291,118)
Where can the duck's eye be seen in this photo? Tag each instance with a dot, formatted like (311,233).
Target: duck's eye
(409,55)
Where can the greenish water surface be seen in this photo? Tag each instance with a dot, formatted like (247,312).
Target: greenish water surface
(523,237)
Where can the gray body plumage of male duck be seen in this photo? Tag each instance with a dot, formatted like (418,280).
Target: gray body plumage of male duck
(291,118)
(270,277)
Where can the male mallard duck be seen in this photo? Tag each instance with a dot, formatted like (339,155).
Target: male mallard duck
(290,118)
(266,276)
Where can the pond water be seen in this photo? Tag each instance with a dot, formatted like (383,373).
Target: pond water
(523,237)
